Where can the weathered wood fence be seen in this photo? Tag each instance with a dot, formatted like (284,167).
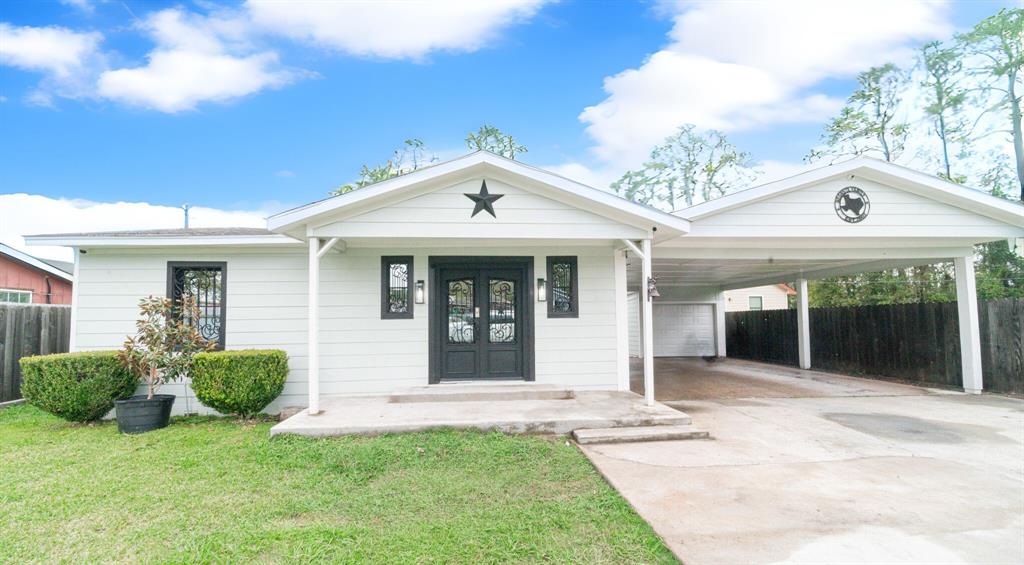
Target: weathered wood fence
(29,329)
(915,342)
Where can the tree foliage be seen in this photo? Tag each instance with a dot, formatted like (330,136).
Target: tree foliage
(945,94)
(414,155)
(689,166)
(869,123)
(997,43)
(490,138)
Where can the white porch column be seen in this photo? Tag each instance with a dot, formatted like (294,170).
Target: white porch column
(648,322)
(720,324)
(803,324)
(313,334)
(621,320)
(970,334)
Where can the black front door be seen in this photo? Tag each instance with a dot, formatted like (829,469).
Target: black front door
(480,321)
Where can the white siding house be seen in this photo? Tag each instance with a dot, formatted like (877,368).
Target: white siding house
(764,297)
(482,268)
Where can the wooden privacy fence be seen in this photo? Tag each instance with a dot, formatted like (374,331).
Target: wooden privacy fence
(916,342)
(29,329)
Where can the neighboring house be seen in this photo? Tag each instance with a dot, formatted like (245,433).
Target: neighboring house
(765,297)
(25,279)
(487,269)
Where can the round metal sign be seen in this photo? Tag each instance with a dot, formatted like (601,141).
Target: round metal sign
(852,204)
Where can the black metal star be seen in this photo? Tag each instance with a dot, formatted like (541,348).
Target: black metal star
(484,200)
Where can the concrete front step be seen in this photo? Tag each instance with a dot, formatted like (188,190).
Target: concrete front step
(638,433)
(481,393)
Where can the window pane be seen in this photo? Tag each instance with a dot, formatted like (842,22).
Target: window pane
(561,287)
(203,285)
(398,288)
(756,303)
(502,311)
(461,327)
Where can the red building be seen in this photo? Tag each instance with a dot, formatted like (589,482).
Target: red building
(26,279)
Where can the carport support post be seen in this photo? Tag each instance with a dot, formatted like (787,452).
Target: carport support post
(970,333)
(648,320)
(803,324)
(313,337)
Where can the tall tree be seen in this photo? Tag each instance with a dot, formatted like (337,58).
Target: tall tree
(945,95)
(998,44)
(688,166)
(869,122)
(490,138)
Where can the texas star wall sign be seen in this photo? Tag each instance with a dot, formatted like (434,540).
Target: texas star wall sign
(852,204)
(484,200)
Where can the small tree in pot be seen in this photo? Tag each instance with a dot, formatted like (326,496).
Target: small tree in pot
(166,340)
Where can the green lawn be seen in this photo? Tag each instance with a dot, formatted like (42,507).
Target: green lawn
(215,490)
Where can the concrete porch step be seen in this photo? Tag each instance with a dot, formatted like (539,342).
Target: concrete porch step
(472,392)
(638,433)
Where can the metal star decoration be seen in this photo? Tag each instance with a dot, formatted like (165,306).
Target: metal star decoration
(484,200)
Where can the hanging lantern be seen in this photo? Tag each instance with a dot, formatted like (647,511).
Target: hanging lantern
(652,288)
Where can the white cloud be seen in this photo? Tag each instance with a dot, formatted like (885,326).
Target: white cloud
(740,65)
(197,59)
(29,214)
(86,6)
(66,58)
(285,174)
(58,51)
(393,30)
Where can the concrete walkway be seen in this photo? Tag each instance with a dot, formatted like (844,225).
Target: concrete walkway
(813,468)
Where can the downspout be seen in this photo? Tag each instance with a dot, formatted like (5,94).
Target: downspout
(49,289)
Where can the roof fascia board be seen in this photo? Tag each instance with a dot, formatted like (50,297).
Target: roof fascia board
(34,262)
(172,241)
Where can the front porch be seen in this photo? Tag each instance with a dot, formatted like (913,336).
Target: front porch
(510,408)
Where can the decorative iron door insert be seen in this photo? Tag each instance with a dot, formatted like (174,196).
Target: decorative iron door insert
(479,325)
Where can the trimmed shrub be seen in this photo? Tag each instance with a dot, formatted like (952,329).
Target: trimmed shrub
(78,387)
(241,382)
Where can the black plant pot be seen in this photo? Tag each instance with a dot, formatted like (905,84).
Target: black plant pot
(139,414)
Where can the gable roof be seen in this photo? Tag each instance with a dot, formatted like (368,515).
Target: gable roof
(36,262)
(897,176)
(481,162)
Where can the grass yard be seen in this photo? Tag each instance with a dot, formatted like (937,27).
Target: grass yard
(215,490)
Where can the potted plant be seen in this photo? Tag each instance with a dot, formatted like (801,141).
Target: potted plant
(161,351)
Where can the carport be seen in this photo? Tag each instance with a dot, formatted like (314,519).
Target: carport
(854,217)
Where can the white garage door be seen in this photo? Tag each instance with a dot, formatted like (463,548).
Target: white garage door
(684,330)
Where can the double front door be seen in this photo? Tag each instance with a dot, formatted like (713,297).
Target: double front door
(480,320)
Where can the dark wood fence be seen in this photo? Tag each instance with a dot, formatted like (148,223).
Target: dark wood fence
(915,342)
(29,329)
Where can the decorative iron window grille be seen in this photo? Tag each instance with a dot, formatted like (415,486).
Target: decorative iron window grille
(563,288)
(396,282)
(206,284)
(502,315)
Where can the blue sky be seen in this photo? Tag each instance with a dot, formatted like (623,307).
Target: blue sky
(328,99)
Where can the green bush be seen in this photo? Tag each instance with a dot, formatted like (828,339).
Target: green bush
(240,382)
(76,386)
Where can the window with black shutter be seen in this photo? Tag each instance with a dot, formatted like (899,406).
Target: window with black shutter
(563,288)
(396,287)
(205,283)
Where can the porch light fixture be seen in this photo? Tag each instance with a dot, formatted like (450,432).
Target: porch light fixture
(542,290)
(420,293)
(652,288)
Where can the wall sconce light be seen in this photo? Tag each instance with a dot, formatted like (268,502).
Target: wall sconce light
(652,288)
(421,295)
(542,290)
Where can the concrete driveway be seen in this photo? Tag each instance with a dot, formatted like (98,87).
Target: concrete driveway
(808,467)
